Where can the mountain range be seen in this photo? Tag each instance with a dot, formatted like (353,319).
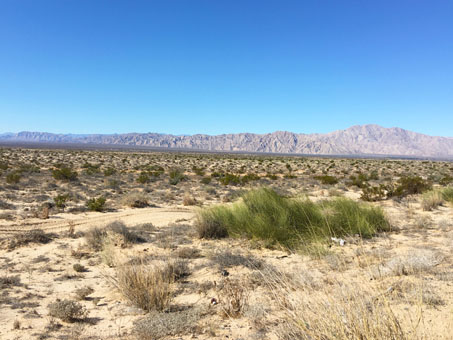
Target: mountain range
(356,140)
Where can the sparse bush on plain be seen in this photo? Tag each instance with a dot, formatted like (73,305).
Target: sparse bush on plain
(64,173)
(31,236)
(13,177)
(146,286)
(67,310)
(326,179)
(96,204)
(176,176)
(135,200)
(431,200)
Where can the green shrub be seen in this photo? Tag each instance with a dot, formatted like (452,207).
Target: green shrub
(60,200)
(206,180)
(91,169)
(230,179)
(373,194)
(64,174)
(176,176)
(109,172)
(96,204)
(143,178)
(13,177)
(326,179)
(447,194)
(265,215)
(3,166)
(410,185)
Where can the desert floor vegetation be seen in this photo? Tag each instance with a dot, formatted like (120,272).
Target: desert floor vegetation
(154,245)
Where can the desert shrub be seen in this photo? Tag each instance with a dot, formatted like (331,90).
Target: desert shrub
(189,200)
(109,172)
(205,180)
(32,236)
(272,176)
(447,194)
(91,169)
(116,232)
(60,200)
(233,297)
(146,286)
(96,204)
(157,325)
(431,200)
(198,171)
(9,281)
(82,293)
(3,166)
(94,238)
(176,176)
(64,173)
(446,180)
(249,177)
(373,193)
(265,215)
(230,179)
(135,200)
(66,310)
(326,179)
(13,177)
(79,268)
(410,185)
(143,178)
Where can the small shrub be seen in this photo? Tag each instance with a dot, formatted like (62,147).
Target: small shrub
(79,268)
(159,325)
(135,200)
(326,179)
(205,180)
(431,200)
(189,200)
(96,204)
(447,194)
(410,185)
(146,286)
(66,310)
(13,177)
(64,174)
(176,176)
(233,298)
(32,236)
(9,281)
(109,172)
(60,201)
(82,293)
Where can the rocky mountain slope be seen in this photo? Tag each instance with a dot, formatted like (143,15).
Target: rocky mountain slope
(356,140)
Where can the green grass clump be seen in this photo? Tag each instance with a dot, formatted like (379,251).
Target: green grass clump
(263,214)
(447,194)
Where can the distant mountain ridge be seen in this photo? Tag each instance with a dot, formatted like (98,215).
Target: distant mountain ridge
(356,140)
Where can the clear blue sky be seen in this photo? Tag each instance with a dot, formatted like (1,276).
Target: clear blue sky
(189,66)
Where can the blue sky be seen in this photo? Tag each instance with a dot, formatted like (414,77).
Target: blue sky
(189,66)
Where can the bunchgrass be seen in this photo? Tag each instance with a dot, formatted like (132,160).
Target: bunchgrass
(290,222)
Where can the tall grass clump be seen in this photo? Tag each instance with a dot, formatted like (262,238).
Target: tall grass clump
(432,199)
(447,194)
(290,222)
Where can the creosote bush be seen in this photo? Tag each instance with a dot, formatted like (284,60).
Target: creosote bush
(64,173)
(135,200)
(66,310)
(265,215)
(96,204)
